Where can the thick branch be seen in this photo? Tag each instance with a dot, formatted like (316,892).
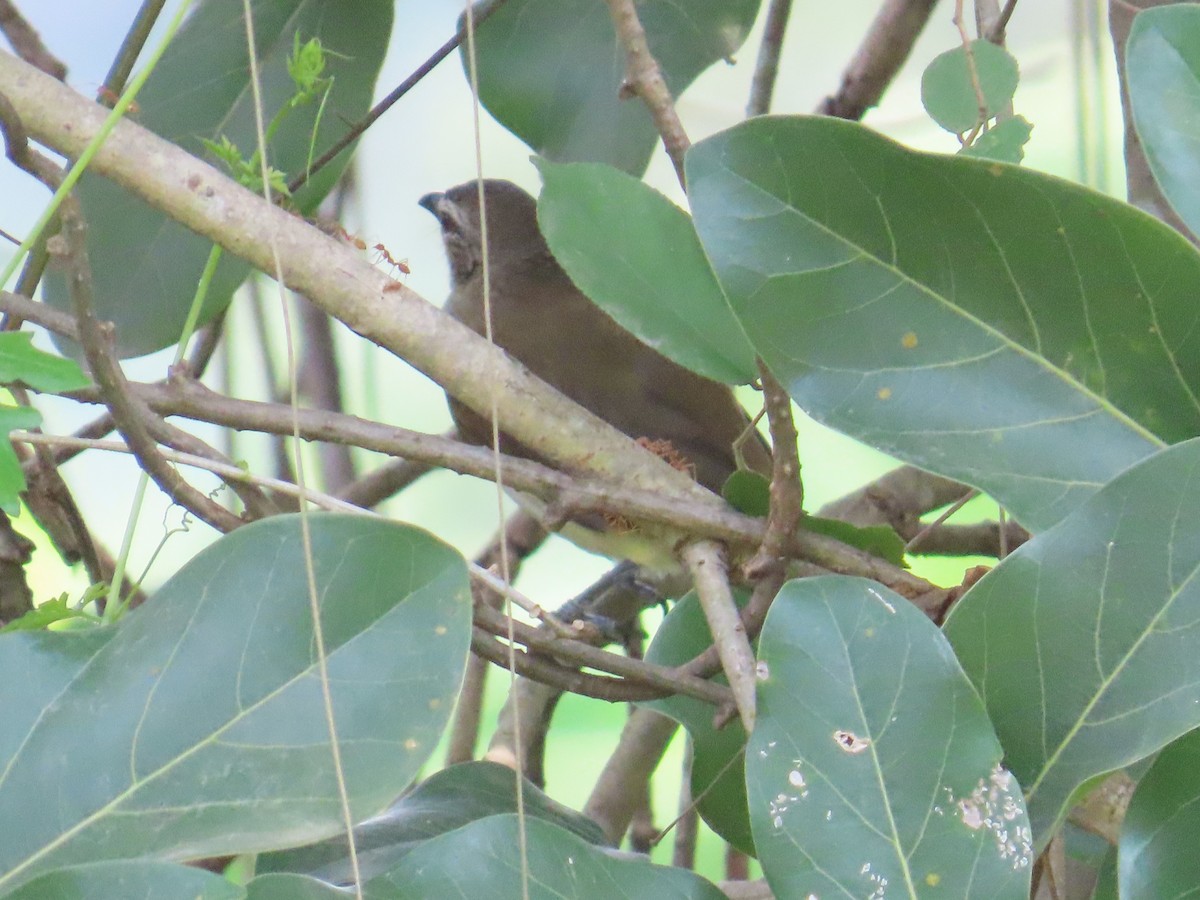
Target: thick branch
(334,277)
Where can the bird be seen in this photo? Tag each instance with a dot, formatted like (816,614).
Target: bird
(540,318)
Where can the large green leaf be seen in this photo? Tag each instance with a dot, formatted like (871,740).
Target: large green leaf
(635,254)
(197,727)
(873,768)
(481,860)
(446,800)
(551,71)
(1083,641)
(1162,66)
(144,266)
(128,878)
(1015,331)
(1162,826)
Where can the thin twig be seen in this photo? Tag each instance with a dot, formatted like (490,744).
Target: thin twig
(787,490)
(888,42)
(762,87)
(662,680)
(131,48)
(258,505)
(522,534)
(972,72)
(480,15)
(193,400)
(640,749)
(226,471)
(996,32)
(25,40)
(687,820)
(128,413)
(705,561)
(936,523)
(644,78)
(386,481)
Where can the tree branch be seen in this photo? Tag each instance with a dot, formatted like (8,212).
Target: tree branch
(128,414)
(22,37)
(644,78)
(883,51)
(335,278)
(762,87)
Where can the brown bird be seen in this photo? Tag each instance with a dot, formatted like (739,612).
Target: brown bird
(543,320)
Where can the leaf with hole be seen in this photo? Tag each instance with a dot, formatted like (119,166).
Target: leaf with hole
(872,766)
(1083,641)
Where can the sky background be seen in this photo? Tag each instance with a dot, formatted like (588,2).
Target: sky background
(425,143)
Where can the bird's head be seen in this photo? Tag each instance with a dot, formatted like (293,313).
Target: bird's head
(511,219)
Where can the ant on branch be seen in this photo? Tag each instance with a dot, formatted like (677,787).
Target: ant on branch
(384,255)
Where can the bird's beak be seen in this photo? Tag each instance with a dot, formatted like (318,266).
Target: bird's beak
(432,202)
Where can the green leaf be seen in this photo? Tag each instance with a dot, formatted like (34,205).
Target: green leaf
(717,782)
(298,887)
(128,878)
(1082,642)
(551,71)
(446,800)
(1162,825)
(878,540)
(12,479)
(872,764)
(200,716)
(1106,878)
(21,361)
(748,492)
(1004,142)
(992,324)
(949,93)
(480,860)
(45,614)
(1162,69)
(636,255)
(144,266)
